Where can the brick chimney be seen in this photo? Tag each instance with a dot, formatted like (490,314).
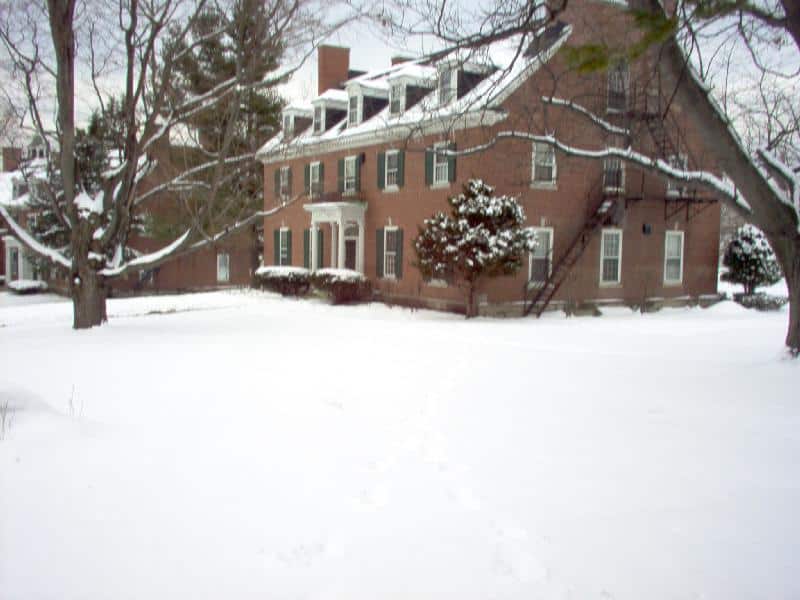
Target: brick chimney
(399,59)
(333,64)
(10,159)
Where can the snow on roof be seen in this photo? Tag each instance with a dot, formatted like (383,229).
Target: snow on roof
(509,69)
(332,95)
(7,190)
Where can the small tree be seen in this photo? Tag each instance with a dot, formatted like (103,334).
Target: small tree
(750,260)
(483,236)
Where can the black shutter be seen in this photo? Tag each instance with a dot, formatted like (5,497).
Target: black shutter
(398,266)
(290,181)
(289,247)
(451,164)
(379,252)
(319,248)
(381,170)
(307,179)
(277,184)
(340,175)
(306,248)
(358,173)
(429,167)
(276,243)
(321,178)
(401,168)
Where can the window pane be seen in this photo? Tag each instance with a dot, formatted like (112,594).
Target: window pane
(673,246)
(610,269)
(610,245)
(353,113)
(673,269)
(542,249)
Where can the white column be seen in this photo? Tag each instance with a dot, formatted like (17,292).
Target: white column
(340,253)
(360,249)
(313,258)
(333,245)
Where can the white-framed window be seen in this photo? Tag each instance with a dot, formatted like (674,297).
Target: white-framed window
(350,166)
(352,111)
(618,85)
(677,161)
(446,85)
(288,128)
(319,119)
(396,99)
(540,263)
(441,175)
(392,168)
(544,163)
(673,257)
(283,254)
(314,178)
(223,267)
(611,256)
(284,182)
(391,239)
(613,175)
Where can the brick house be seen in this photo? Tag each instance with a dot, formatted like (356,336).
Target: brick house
(361,166)
(229,263)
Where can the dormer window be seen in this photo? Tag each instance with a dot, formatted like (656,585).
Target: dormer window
(352,111)
(447,89)
(319,119)
(288,125)
(396,99)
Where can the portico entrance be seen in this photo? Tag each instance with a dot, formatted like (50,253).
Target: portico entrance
(346,220)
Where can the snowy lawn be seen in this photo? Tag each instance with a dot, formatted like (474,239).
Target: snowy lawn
(240,445)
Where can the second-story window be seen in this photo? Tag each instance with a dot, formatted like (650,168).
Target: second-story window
(350,166)
(314,179)
(446,89)
(440,170)
(396,93)
(319,126)
(284,182)
(544,163)
(392,168)
(352,111)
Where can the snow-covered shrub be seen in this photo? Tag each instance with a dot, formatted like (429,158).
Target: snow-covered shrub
(287,281)
(761,301)
(483,236)
(750,260)
(342,285)
(27,286)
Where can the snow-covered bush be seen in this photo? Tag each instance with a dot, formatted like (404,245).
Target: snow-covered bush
(750,260)
(483,236)
(342,285)
(287,281)
(27,286)
(761,301)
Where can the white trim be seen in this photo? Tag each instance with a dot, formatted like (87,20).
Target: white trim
(436,183)
(618,280)
(387,229)
(311,181)
(549,257)
(352,160)
(546,183)
(359,110)
(393,187)
(485,116)
(621,187)
(401,99)
(224,275)
(667,235)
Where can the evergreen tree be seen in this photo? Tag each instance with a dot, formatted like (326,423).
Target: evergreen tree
(750,260)
(483,236)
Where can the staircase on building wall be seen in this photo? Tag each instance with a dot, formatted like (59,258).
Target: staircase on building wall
(537,299)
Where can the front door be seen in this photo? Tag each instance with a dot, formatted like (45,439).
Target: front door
(350,254)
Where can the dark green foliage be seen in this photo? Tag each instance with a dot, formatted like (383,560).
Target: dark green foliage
(342,286)
(287,281)
(750,260)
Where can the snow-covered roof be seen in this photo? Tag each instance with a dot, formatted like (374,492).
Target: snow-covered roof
(7,198)
(480,106)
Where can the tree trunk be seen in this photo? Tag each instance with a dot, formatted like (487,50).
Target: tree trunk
(472,309)
(789,256)
(88,299)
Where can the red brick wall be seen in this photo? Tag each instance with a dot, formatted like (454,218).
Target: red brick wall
(507,166)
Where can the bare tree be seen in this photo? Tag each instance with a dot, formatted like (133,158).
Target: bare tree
(756,177)
(68,52)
